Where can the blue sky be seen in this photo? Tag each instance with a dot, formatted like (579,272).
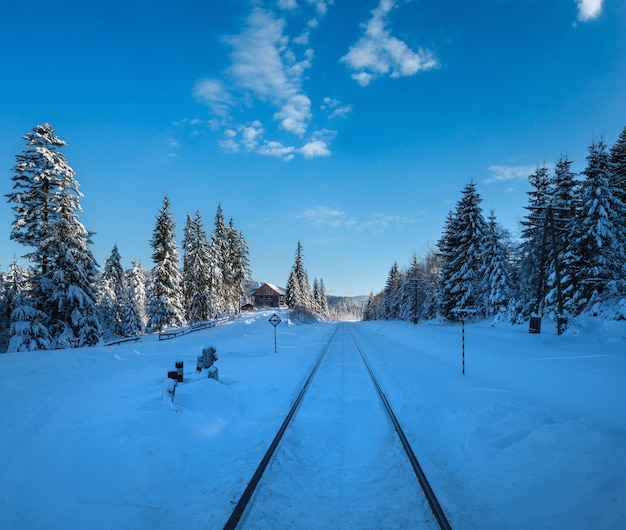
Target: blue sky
(351,126)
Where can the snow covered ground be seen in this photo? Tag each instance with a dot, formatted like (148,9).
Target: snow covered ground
(533,436)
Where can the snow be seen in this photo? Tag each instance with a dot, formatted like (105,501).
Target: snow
(533,436)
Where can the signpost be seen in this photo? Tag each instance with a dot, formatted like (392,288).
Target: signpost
(274,321)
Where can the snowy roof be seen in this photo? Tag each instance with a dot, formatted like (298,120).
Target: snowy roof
(279,290)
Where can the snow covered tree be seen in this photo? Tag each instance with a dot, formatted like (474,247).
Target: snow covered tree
(497,277)
(298,287)
(320,299)
(618,169)
(28,332)
(371,310)
(412,293)
(238,270)
(165,297)
(135,302)
(390,307)
(564,196)
(46,203)
(112,296)
(600,244)
(72,301)
(462,285)
(530,249)
(15,283)
(196,271)
(218,256)
(618,187)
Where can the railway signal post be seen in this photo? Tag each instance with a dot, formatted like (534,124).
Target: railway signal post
(274,321)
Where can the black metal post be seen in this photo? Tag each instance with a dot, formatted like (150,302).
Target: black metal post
(274,339)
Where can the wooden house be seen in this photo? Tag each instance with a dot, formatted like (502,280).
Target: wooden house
(268,295)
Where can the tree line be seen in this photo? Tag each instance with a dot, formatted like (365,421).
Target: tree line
(570,258)
(63,300)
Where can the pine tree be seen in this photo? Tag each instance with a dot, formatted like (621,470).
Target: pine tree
(196,271)
(46,203)
(463,255)
(165,297)
(28,332)
(298,287)
(113,293)
(600,246)
(135,301)
(618,168)
(239,266)
(15,282)
(412,291)
(530,249)
(219,265)
(498,286)
(391,294)
(565,195)
(322,299)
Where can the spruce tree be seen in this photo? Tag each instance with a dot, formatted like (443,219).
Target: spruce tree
(196,271)
(219,256)
(463,254)
(239,265)
(322,299)
(391,294)
(618,169)
(113,293)
(298,287)
(165,297)
(532,236)
(600,244)
(135,301)
(498,285)
(565,197)
(46,203)
(412,292)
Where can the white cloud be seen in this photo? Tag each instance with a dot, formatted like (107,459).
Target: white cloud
(264,65)
(321,6)
(379,53)
(335,108)
(506,173)
(252,134)
(229,145)
(589,9)
(276,149)
(380,221)
(288,5)
(325,216)
(314,148)
(212,93)
(267,69)
(295,114)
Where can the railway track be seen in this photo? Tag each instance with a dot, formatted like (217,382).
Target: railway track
(341,407)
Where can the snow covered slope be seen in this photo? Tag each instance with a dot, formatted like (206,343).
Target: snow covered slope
(533,436)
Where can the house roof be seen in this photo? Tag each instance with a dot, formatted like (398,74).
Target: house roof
(275,288)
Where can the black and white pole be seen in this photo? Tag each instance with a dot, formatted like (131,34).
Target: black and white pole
(274,321)
(463,342)
(462,315)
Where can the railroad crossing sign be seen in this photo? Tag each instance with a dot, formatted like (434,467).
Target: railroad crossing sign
(274,321)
